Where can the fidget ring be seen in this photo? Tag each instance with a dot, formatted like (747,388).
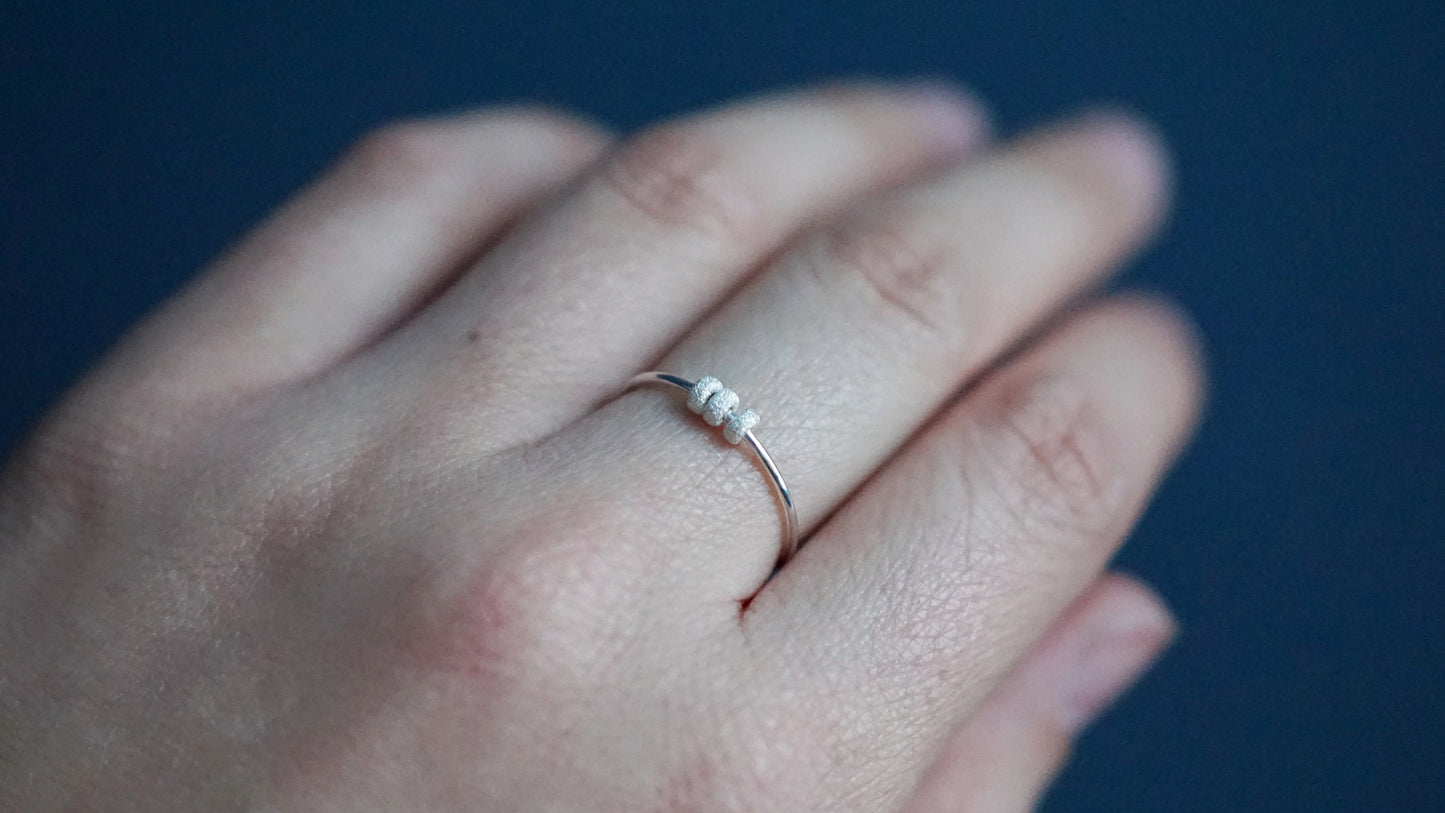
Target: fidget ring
(718,406)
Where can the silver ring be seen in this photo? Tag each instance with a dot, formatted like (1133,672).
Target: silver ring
(718,405)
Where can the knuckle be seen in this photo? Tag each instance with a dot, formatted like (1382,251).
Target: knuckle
(83,460)
(900,269)
(554,597)
(680,179)
(1054,454)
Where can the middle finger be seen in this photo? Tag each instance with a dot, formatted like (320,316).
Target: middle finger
(611,273)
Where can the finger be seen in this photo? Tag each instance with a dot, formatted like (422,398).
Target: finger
(857,335)
(949,564)
(1012,747)
(356,251)
(585,294)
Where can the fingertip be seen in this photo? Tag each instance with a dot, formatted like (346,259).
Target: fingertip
(574,134)
(1161,323)
(1152,354)
(1124,629)
(1135,152)
(954,116)
(1023,734)
(1130,596)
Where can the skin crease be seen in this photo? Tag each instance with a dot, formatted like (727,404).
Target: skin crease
(359,521)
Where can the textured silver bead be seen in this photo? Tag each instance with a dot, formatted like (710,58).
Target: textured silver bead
(720,406)
(704,389)
(717,405)
(738,425)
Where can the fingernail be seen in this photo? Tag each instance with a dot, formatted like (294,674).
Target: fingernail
(1125,642)
(1133,151)
(954,118)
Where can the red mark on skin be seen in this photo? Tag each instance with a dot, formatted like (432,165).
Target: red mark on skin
(487,617)
(689,789)
(472,634)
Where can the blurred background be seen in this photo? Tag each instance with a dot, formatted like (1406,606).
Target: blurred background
(1301,541)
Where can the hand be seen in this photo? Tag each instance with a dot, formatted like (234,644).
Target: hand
(360,521)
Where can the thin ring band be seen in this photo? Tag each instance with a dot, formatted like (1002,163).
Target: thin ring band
(718,406)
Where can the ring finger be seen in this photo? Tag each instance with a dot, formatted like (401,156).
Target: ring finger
(863,328)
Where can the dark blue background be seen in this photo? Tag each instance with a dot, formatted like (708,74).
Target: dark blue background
(1302,540)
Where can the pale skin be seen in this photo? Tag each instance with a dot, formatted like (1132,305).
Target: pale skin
(361,521)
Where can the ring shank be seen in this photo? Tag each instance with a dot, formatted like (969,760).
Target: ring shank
(789,544)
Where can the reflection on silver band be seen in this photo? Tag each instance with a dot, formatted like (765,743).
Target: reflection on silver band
(718,405)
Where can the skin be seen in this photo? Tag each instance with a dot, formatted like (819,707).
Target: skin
(360,521)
